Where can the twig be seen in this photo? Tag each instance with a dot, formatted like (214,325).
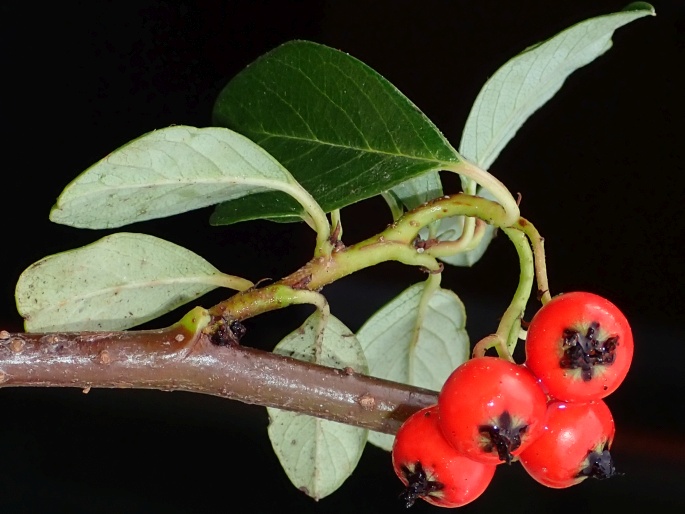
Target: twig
(171,360)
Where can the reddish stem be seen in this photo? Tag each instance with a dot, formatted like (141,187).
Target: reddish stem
(170,360)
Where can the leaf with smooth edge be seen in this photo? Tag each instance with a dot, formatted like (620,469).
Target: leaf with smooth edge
(414,342)
(318,455)
(167,172)
(419,190)
(529,80)
(341,129)
(115,283)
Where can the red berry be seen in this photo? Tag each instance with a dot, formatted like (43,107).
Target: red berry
(580,346)
(431,469)
(574,445)
(490,409)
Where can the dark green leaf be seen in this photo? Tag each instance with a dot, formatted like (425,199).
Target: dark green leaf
(343,131)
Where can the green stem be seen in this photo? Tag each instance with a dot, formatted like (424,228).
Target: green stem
(508,330)
(468,228)
(492,184)
(289,296)
(510,324)
(466,242)
(316,217)
(538,244)
(336,224)
(396,208)
(229,281)
(396,243)
(407,227)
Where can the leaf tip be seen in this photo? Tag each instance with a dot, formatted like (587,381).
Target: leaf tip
(641,6)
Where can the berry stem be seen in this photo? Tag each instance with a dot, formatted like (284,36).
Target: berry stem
(472,235)
(538,244)
(506,337)
(398,242)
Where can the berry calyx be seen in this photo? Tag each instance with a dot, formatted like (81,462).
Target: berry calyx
(573,446)
(503,436)
(418,484)
(431,469)
(587,348)
(490,409)
(580,346)
(600,464)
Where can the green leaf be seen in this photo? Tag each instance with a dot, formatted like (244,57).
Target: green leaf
(343,131)
(167,172)
(116,283)
(318,455)
(530,79)
(415,340)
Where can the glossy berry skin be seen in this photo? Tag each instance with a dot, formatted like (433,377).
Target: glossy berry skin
(573,446)
(431,469)
(580,347)
(490,409)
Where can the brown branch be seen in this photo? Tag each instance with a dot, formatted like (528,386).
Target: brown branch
(171,360)
(176,359)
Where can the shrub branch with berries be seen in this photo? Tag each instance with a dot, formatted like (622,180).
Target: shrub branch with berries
(298,135)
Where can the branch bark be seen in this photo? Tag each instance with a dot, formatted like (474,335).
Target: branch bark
(178,359)
(174,359)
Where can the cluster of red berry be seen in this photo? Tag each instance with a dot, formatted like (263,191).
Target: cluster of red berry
(548,413)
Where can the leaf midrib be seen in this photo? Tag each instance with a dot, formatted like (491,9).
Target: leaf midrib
(551,78)
(204,280)
(350,147)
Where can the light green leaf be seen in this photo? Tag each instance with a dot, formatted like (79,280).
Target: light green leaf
(530,79)
(116,283)
(167,172)
(343,131)
(318,455)
(415,340)
(418,190)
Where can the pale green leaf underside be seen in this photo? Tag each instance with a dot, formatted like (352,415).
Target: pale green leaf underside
(318,455)
(341,129)
(340,347)
(167,172)
(418,190)
(116,283)
(412,347)
(530,79)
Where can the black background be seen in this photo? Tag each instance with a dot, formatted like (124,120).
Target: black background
(599,169)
